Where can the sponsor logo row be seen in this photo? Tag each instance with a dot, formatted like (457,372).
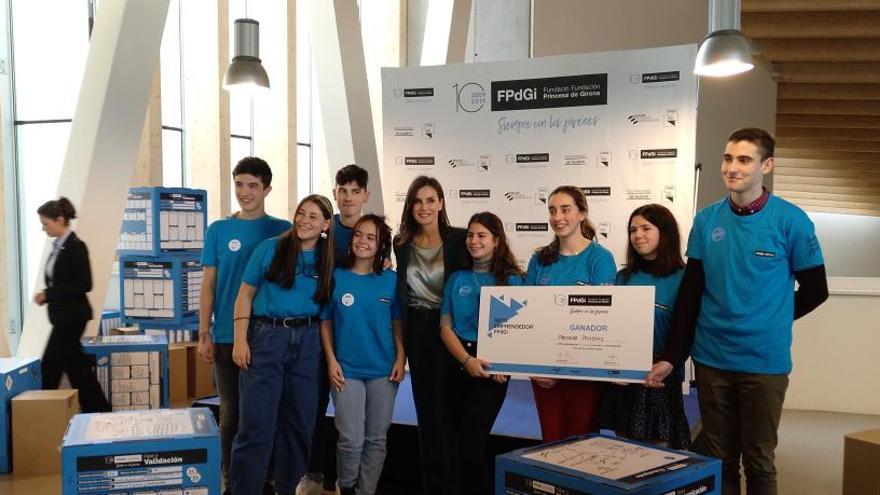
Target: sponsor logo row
(527,160)
(536,93)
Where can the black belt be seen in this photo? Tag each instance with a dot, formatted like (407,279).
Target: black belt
(290,322)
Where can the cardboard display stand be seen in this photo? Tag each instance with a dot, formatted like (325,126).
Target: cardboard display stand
(156,451)
(603,465)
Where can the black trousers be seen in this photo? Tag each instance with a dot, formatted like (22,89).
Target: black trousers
(475,403)
(64,354)
(427,358)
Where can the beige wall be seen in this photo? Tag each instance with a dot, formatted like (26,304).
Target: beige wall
(575,26)
(835,351)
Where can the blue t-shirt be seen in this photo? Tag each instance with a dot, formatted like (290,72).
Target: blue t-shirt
(665,293)
(229,244)
(461,299)
(275,301)
(362,308)
(748,302)
(592,266)
(341,238)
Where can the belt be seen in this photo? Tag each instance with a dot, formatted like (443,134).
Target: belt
(288,322)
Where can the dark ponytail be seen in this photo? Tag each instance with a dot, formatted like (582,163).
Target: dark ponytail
(58,208)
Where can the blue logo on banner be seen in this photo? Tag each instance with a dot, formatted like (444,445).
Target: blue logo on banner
(501,311)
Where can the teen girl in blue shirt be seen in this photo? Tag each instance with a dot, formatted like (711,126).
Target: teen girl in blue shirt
(277,345)
(363,343)
(653,258)
(569,407)
(475,397)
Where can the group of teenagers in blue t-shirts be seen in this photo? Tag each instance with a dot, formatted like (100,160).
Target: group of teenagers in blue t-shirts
(311,310)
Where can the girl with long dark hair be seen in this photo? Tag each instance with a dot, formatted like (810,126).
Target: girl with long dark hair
(475,396)
(278,348)
(569,407)
(363,343)
(653,258)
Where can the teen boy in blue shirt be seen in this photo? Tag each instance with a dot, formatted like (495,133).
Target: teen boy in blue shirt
(737,303)
(350,194)
(228,246)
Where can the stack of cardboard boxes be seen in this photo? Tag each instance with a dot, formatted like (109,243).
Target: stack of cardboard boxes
(131,369)
(160,272)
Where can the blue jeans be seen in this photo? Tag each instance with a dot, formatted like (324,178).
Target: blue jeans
(277,403)
(363,415)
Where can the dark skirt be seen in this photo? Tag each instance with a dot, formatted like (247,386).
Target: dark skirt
(646,414)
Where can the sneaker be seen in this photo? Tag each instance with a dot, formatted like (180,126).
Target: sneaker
(310,484)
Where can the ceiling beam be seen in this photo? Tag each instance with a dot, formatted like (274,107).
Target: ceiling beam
(773,25)
(826,133)
(827,72)
(787,91)
(819,49)
(808,120)
(808,5)
(830,144)
(829,107)
(854,156)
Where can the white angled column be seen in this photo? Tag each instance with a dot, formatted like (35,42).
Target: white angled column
(104,141)
(343,93)
(446,32)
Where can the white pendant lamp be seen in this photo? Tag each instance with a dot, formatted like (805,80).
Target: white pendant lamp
(246,70)
(724,52)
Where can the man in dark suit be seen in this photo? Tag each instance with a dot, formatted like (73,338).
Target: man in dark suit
(68,278)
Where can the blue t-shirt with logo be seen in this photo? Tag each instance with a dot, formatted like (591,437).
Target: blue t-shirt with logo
(362,308)
(229,244)
(461,299)
(341,238)
(749,262)
(275,301)
(592,266)
(665,293)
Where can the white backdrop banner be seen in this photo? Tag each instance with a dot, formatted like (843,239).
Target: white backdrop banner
(500,136)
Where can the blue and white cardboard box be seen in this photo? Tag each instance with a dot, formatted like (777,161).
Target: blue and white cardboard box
(16,376)
(132,369)
(175,333)
(161,220)
(604,465)
(165,289)
(143,452)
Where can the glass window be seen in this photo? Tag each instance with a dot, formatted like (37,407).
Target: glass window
(172,158)
(50,44)
(170,60)
(41,149)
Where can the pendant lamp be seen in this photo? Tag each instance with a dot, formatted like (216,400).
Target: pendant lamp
(246,70)
(724,51)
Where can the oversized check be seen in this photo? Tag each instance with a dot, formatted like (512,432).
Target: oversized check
(579,332)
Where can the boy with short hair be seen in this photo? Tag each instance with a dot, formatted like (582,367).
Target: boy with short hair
(350,194)
(737,304)
(228,246)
